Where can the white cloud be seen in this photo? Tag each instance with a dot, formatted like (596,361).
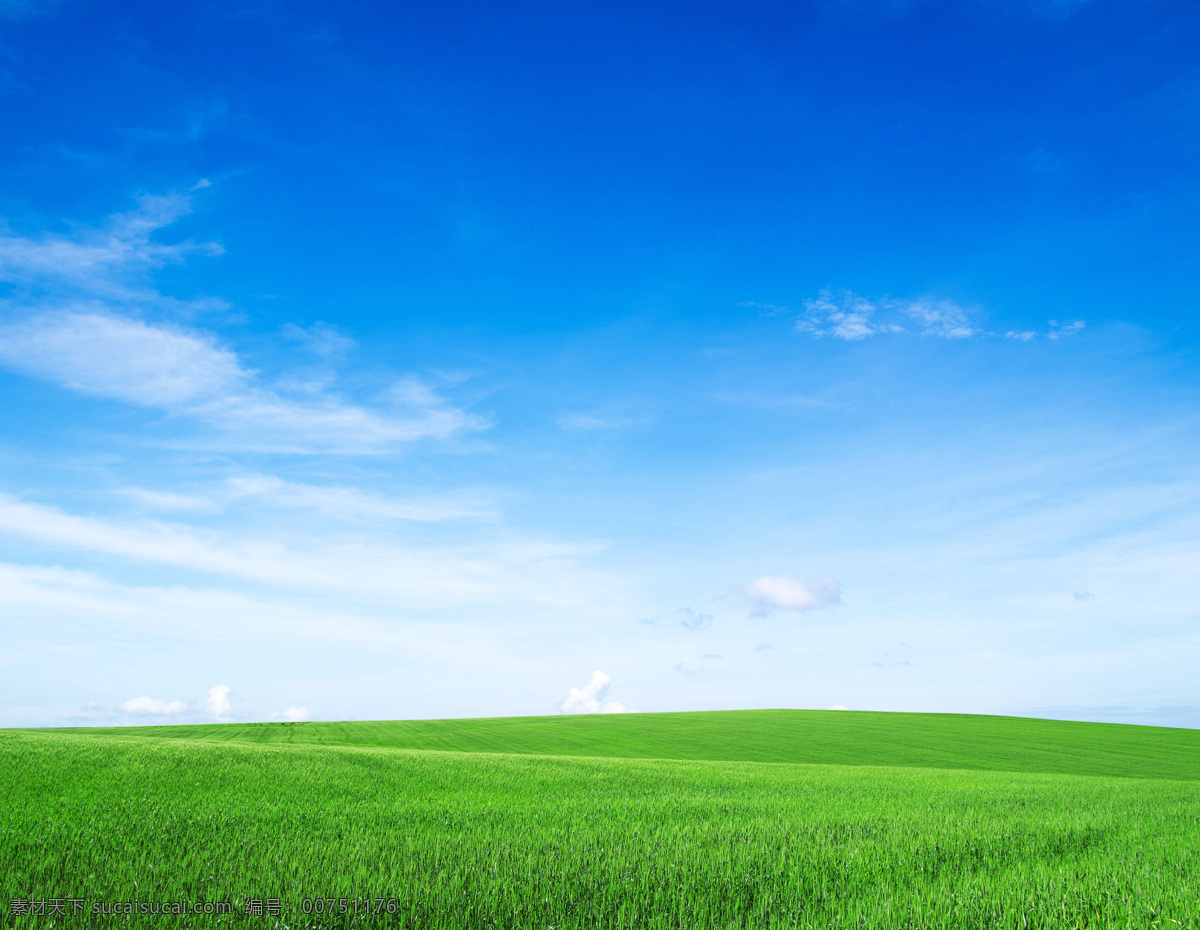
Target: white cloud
(218,616)
(110,263)
(504,570)
(329,425)
(590,699)
(246,631)
(108,356)
(295,714)
(942,318)
(148,706)
(1058,330)
(592,422)
(412,391)
(337,502)
(187,372)
(217,703)
(83,298)
(842,315)
(351,503)
(836,707)
(767,594)
(322,339)
(167,500)
(853,317)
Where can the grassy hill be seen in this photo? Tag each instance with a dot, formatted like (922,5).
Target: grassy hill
(358,836)
(943,741)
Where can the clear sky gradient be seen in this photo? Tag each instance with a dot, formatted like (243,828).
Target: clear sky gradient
(393,360)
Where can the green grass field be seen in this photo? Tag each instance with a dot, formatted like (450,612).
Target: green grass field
(957,741)
(739,819)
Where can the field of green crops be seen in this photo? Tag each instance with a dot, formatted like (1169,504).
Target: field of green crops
(259,817)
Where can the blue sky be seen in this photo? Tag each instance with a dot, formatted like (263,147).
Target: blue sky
(457,359)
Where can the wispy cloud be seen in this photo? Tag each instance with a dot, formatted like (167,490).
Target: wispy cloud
(590,699)
(1058,330)
(842,315)
(1066,328)
(152,707)
(353,504)
(112,263)
(683,668)
(336,502)
(608,418)
(592,422)
(168,500)
(188,373)
(852,317)
(205,615)
(685,617)
(768,594)
(505,570)
(321,339)
(96,353)
(79,309)
(691,620)
(943,318)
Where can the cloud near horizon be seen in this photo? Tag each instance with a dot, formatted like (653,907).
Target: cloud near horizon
(590,699)
(151,707)
(218,703)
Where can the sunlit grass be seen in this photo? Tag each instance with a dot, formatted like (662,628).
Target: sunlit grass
(495,840)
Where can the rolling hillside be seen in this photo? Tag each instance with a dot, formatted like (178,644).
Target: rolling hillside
(946,741)
(646,821)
